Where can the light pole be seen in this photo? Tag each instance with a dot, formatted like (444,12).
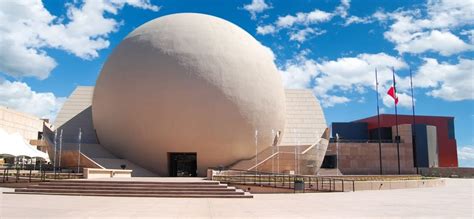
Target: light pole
(337,154)
(273,151)
(256,153)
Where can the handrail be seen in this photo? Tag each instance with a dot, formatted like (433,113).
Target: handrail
(282,180)
(38,172)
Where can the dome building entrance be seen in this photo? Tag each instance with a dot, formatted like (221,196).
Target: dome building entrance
(182,164)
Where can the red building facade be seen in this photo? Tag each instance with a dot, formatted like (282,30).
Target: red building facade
(447,154)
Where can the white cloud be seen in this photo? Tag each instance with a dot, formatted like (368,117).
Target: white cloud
(451,82)
(470,35)
(445,43)
(302,35)
(302,18)
(300,24)
(344,75)
(19,61)
(357,20)
(354,74)
(28,28)
(417,31)
(267,29)
(298,73)
(257,6)
(19,96)
(332,100)
(466,156)
(466,153)
(342,9)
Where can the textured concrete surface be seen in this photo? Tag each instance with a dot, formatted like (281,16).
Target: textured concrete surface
(305,122)
(455,200)
(188,82)
(77,113)
(26,125)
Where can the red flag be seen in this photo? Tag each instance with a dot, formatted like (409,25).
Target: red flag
(393,93)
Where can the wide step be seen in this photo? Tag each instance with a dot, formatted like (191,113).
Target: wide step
(204,189)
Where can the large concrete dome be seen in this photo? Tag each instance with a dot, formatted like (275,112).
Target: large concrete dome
(188,83)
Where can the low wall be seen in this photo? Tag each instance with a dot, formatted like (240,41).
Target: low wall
(455,172)
(385,185)
(94,173)
(261,189)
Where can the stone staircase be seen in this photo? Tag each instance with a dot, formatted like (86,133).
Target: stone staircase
(201,189)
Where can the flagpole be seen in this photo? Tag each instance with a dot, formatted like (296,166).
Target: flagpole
(378,120)
(79,151)
(60,149)
(396,121)
(415,164)
(55,150)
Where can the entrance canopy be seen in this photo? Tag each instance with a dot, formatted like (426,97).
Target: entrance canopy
(15,145)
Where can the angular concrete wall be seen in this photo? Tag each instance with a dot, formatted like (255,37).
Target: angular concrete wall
(76,113)
(26,125)
(305,121)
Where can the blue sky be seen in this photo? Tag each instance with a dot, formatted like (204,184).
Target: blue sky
(49,47)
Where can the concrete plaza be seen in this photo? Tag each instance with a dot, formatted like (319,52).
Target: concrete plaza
(455,200)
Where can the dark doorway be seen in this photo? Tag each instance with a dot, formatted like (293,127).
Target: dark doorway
(329,162)
(182,164)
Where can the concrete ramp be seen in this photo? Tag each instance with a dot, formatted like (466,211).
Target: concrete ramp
(107,160)
(111,163)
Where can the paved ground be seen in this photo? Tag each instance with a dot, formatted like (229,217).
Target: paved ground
(455,200)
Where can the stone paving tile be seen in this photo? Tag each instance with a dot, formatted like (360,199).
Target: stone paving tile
(455,200)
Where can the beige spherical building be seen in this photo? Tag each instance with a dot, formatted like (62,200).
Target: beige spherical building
(188,86)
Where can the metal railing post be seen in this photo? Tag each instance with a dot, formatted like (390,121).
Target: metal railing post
(17,174)
(289,181)
(4,171)
(317,184)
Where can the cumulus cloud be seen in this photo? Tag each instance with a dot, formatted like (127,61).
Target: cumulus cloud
(451,82)
(302,35)
(19,96)
(417,31)
(356,73)
(330,79)
(357,20)
(332,100)
(299,72)
(300,26)
(257,6)
(312,17)
(342,9)
(28,28)
(466,156)
(445,43)
(267,29)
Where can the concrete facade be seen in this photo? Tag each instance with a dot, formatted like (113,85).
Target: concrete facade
(362,158)
(77,113)
(215,92)
(445,137)
(26,125)
(188,83)
(305,122)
